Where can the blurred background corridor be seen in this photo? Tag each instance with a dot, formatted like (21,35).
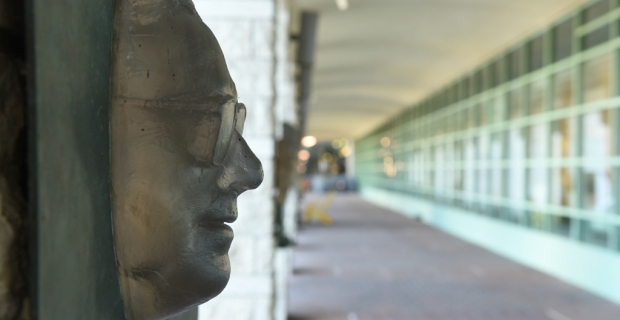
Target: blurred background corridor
(490,127)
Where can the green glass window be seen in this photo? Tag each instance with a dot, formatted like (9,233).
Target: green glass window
(482,114)
(439,168)
(486,78)
(478,82)
(470,116)
(597,79)
(563,96)
(515,104)
(536,93)
(496,155)
(542,139)
(497,73)
(465,88)
(536,55)
(438,127)
(562,187)
(596,37)
(597,142)
(562,138)
(458,172)
(462,119)
(483,153)
(449,168)
(453,93)
(515,60)
(495,110)
(517,149)
(563,40)
(469,173)
(595,10)
(537,172)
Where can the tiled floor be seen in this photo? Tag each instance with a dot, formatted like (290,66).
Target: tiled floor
(373,263)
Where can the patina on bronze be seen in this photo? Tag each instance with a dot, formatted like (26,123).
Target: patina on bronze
(178,159)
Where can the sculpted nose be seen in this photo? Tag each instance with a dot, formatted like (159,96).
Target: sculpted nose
(241,168)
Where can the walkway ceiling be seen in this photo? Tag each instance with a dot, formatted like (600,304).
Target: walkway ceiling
(381,56)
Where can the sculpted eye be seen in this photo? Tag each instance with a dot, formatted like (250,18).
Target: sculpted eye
(208,138)
(228,116)
(202,137)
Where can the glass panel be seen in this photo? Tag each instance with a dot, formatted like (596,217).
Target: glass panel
(483,156)
(458,172)
(447,124)
(463,119)
(470,85)
(491,106)
(469,179)
(563,135)
(479,81)
(427,172)
(597,144)
(455,93)
(536,53)
(472,119)
(497,73)
(562,194)
(442,100)
(563,90)
(439,170)
(516,171)
(595,10)
(563,40)
(486,77)
(515,104)
(449,171)
(437,128)
(412,168)
(538,172)
(514,61)
(465,88)
(537,90)
(482,114)
(562,187)
(452,94)
(495,110)
(416,168)
(595,37)
(496,170)
(597,79)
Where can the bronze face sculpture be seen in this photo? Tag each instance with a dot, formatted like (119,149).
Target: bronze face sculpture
(178,159)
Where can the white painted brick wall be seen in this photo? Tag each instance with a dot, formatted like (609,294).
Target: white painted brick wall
(253,35)
(285,112)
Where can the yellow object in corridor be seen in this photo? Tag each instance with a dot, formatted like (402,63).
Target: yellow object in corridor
(318,211)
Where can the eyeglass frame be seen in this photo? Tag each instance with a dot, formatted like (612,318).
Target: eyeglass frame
(237,114)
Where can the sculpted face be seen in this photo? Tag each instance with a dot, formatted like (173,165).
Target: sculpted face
(178,158)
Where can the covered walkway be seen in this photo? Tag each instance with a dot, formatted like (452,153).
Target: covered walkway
(373,263)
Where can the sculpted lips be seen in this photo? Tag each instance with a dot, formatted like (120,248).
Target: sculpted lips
(221,211)
(213,223)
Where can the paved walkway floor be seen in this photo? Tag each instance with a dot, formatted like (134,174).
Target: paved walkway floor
(373,263)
